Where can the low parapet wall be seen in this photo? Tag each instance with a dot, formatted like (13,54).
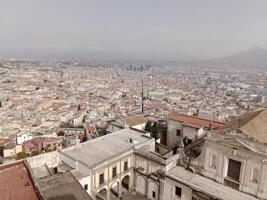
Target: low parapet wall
(51,159)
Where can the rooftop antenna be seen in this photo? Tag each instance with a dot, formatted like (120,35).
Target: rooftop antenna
(142,96)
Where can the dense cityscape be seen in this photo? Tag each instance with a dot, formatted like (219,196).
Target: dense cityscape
(55,106)
(42,95)
(133,100)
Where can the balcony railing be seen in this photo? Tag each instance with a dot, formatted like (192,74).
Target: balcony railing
(231,183)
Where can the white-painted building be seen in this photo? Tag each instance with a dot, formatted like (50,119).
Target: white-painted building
(23,137)
(236,162)
(181,126)
(230,166)
(104,166)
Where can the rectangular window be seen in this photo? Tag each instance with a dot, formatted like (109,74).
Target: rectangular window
(234,168)
(178,191)
(125,166)
(85,186)
(101,178)
(153,194)
(178,133)
(114,172)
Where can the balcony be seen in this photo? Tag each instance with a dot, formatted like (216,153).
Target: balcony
(231,183)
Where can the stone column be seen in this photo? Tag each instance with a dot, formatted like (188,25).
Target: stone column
(108,194)
(131,181)
(120,189)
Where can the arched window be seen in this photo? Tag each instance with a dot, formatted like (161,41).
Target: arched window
(213,161)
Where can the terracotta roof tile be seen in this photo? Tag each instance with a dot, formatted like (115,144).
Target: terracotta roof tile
(134,120)
(15,183)
(195,122)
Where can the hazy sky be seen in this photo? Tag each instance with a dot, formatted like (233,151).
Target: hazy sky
(132,29)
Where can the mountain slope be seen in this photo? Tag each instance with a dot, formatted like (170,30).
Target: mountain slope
(253,56)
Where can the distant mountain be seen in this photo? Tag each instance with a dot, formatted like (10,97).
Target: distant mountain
(255,56)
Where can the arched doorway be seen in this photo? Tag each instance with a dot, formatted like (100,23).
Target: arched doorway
(126,182)
(114,189)
(140,184)
(101,194)
(153,190)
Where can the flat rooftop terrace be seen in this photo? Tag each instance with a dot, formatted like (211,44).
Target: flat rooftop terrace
(98,150)
(62,187)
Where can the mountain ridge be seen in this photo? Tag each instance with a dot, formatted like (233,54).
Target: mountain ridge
(252,56)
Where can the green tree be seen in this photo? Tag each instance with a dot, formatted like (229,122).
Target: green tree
(60,133)
(48,150)
(21,155)
(35,153)
(64,143)
(148,126)
(1,150)
(154,131)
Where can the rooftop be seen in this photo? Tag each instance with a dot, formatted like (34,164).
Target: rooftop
(195,122)
(253,124)
(206,185)
(62,187)
(15,182)
(96,151)
(134,120)
(237,140)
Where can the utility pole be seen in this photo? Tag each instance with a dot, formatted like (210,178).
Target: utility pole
(142,97)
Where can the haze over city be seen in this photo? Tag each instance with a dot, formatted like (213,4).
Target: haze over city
(137,30)
(133,100)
